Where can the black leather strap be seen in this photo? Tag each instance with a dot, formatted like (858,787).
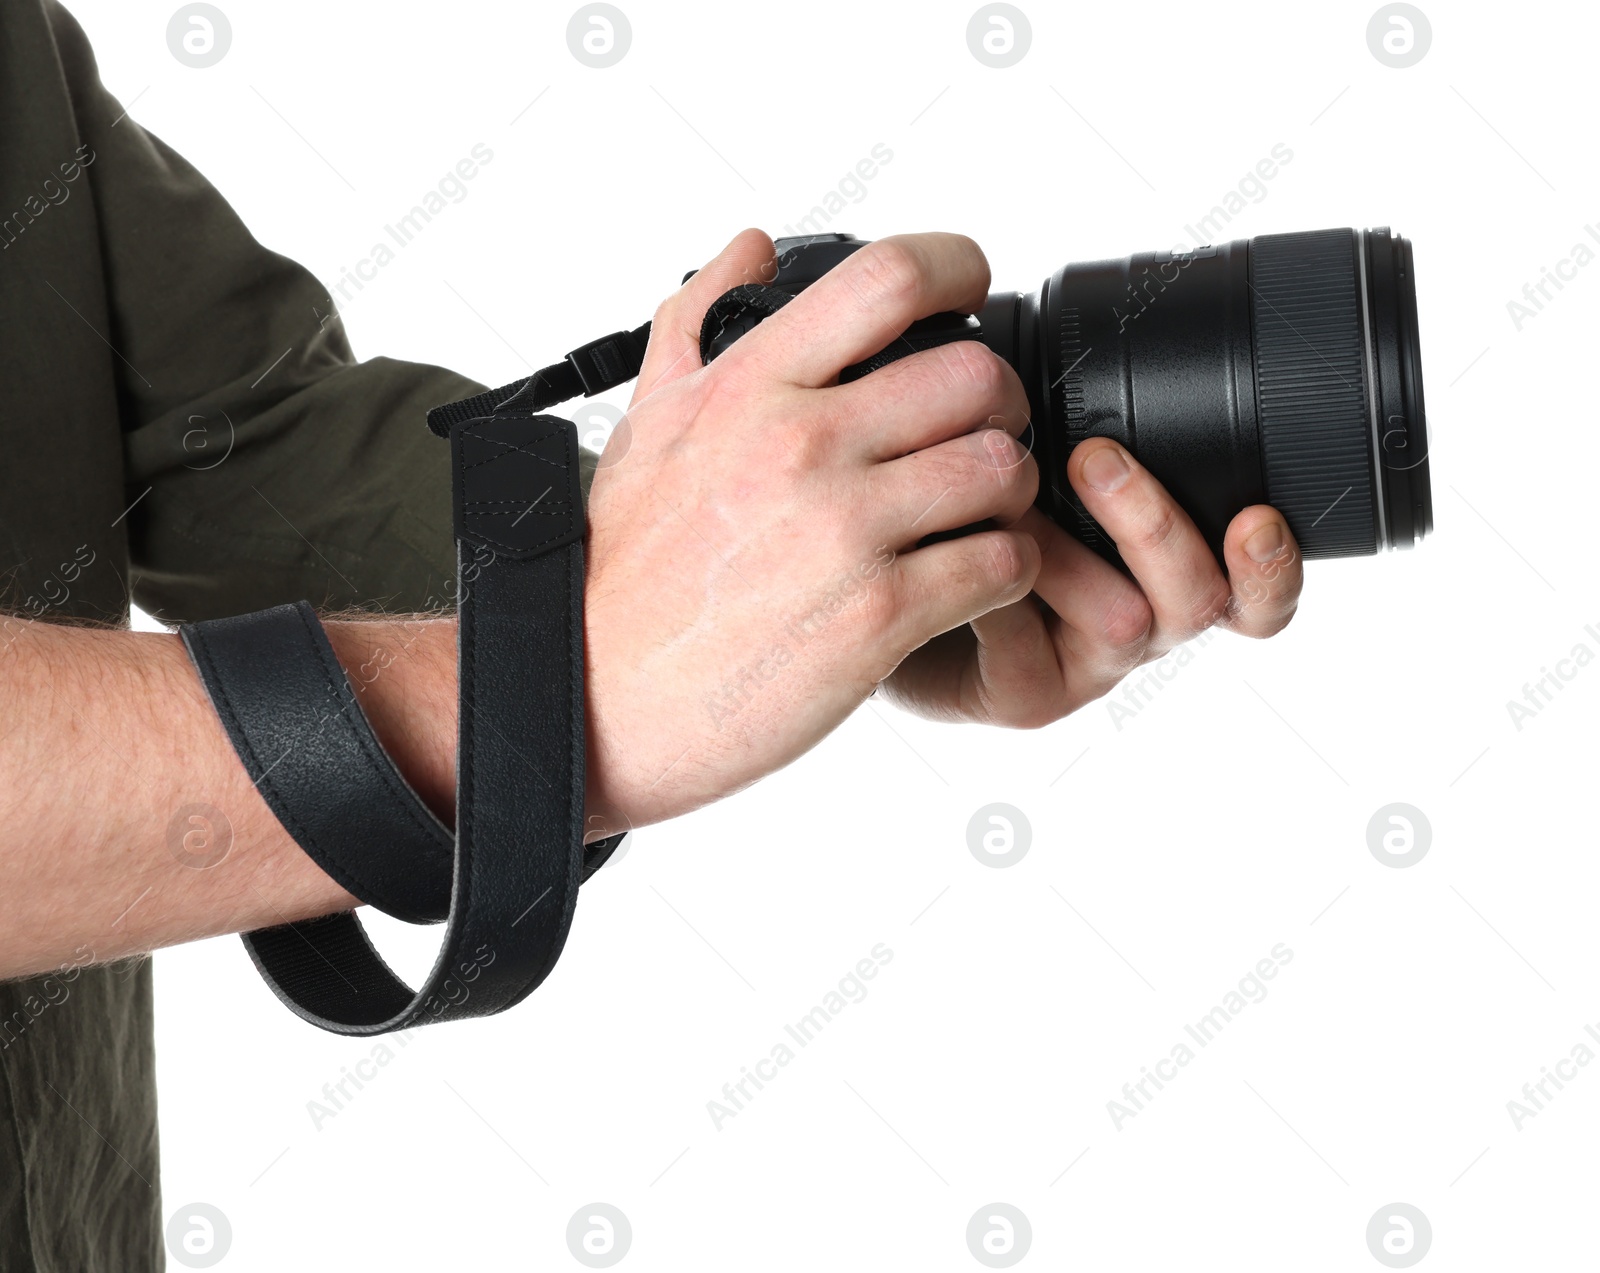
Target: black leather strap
(292,716)
(518,850)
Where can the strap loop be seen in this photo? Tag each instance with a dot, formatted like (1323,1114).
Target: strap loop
(292,716)
(518,857)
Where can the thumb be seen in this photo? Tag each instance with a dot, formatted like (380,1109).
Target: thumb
(674,348)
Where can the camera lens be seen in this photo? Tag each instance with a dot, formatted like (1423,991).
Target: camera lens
(1283,369)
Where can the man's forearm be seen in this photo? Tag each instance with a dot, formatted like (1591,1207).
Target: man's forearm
(126,820)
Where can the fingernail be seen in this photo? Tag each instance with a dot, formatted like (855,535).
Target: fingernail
(1106,469)
(1266,543)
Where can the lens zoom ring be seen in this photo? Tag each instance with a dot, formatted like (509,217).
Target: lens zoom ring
(1311,389)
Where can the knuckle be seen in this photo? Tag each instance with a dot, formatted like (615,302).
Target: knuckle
(885,602)
(1031,703)
(1035,712)
(1252,592)
(1155,525)
(970,247)
(998,446)
(944,468)
(797,454)
(1001,561)
(1256,611)
(1125,625)
(1005,469)
(725,392)
(1209,606)
(888,601)
(891,270)
(970,259)
(1017,471)
(986,472)
(987,564)
(975,366)
(1266,627)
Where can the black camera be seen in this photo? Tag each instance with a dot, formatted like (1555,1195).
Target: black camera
(1282,369)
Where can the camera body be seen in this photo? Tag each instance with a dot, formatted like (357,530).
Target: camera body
(801,261)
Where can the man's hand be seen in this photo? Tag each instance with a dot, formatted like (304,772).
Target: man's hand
(753,569)
(1025,665)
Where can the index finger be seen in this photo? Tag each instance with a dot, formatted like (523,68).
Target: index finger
(674,348)
(864,303)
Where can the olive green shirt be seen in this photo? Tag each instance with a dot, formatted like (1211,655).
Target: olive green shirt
(182,425)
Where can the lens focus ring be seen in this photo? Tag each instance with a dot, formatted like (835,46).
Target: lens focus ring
(1312,401)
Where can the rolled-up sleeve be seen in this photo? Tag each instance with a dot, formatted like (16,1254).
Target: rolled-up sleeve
(266,462)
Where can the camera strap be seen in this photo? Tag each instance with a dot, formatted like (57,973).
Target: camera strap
(296,723)
(517,856)
(615,359)
(589,369)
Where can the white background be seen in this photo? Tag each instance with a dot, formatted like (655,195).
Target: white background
(1228,816)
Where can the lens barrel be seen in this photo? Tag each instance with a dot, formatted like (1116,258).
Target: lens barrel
(1283,369)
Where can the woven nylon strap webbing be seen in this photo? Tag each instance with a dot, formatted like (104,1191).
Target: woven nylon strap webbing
(517,858)
(589,369)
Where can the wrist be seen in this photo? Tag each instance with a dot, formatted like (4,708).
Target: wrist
(403,673)
(404,676)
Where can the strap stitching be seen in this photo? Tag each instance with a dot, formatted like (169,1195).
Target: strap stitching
(565,506)
(554,506)
(571,881)
(514,550)
(509,446)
